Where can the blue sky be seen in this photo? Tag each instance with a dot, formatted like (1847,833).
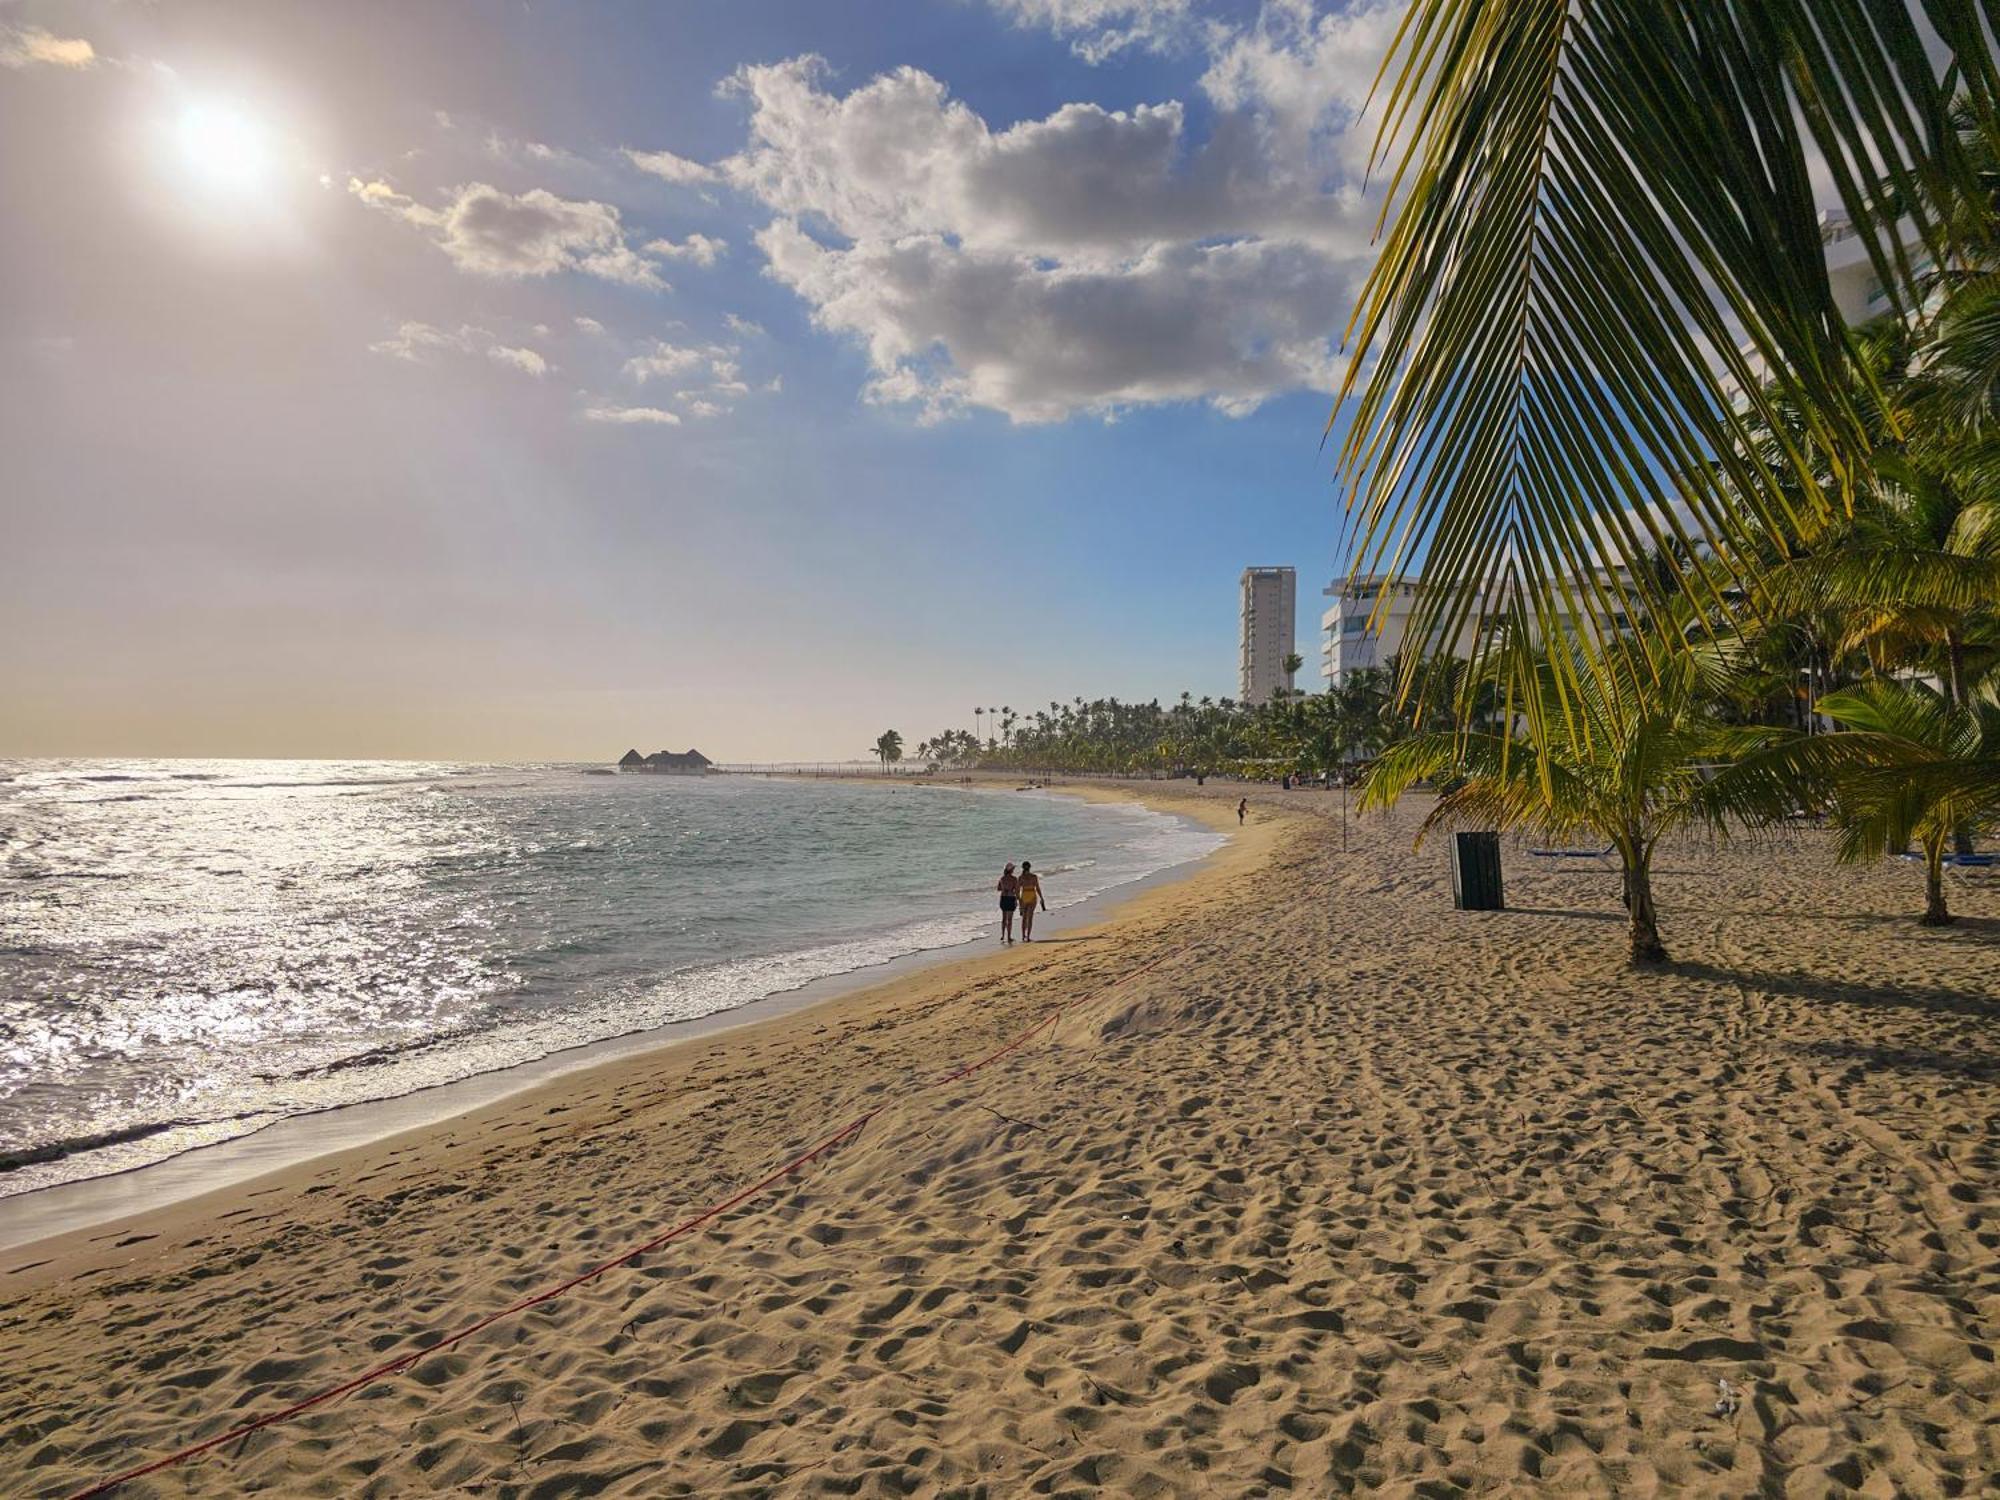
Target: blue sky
(453,380)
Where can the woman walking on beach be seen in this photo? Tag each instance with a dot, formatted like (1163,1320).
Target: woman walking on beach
(1242,807)
(1031,897)
(1010,895)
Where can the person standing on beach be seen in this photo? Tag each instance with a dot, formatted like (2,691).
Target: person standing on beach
(1010,895)
(1031,897)
(1242,807)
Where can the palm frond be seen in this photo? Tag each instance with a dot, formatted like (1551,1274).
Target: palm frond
(1889,575)
(1604,227)
(1914,716)
(1403,765)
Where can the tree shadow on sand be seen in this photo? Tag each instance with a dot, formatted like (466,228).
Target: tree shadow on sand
(1982,1066)
(1964,928)
(1822,989)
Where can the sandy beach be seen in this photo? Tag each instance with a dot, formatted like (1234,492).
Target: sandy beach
(1346,1192)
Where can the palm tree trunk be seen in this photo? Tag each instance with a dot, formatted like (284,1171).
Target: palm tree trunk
(1935,914)
(1954,687)
(1645,920)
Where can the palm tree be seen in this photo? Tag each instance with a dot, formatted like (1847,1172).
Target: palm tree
(889,748)
(1603,228)
(1909,764)
(1608,752)
(1916,568)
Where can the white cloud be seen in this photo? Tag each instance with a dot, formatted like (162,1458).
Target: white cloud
(525,360)
(743,327)
(1100,29)
(411,340)
(630,415)
(1305,76)
(507,148)
(414,340)
(709,377)
(588,325)
(662,360)
(899,156)
(948,328)
(491,232)
(31,46)
(1087,261)
(676,169)
(699,248)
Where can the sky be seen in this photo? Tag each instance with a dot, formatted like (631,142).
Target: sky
(532,381)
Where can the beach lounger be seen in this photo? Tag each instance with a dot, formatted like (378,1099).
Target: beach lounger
(1963,864)
(1601,855)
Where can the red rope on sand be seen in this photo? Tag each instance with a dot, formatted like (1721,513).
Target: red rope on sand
(403,1362)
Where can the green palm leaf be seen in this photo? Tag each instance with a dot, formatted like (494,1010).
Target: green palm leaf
(1603,225)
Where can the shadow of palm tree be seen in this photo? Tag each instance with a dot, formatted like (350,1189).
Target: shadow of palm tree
(1827,990)
(1961,1064)
(1971,929)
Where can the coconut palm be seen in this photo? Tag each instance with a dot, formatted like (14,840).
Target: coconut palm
(1915,569)
(1601,229)
(1608,752)
(889,748)
(1908,765)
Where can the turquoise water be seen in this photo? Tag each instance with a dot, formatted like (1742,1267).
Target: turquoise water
(191,950)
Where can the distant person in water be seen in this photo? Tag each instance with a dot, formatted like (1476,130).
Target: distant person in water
(1031,897)
(1010,897)
(1242,807)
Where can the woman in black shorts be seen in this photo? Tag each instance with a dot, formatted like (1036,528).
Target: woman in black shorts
(1010,897)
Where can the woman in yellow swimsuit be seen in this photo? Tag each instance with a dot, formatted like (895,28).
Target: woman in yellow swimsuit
(1031,897)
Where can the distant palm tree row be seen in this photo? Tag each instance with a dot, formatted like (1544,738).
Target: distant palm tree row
(1298,734)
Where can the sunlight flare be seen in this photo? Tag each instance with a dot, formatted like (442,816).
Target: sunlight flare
(223,148)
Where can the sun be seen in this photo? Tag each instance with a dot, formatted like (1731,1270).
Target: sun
(223,148)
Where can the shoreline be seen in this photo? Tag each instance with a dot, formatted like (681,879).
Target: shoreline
(62,1210)
(1295,1179)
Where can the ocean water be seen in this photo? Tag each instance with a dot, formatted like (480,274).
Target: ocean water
(190,950)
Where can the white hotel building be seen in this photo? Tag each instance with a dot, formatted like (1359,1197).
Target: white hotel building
(1347,645)
(1270,631)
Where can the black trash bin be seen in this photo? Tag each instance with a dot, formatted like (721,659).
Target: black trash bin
(1475,872)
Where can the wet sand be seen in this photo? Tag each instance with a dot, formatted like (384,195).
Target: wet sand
(1347,1193)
